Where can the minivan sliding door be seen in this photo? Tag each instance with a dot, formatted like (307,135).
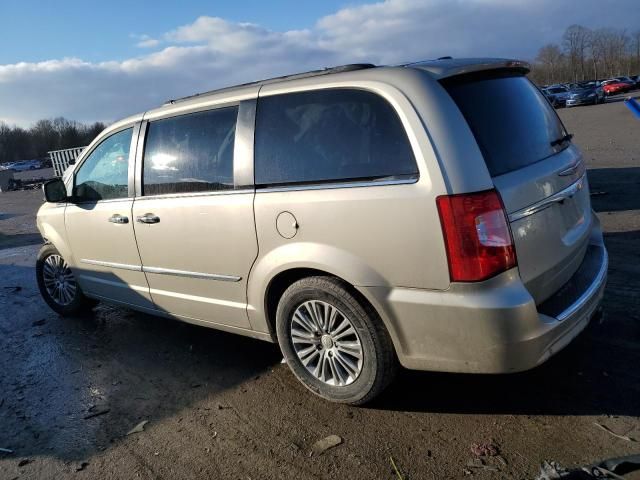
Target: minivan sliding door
(193,215)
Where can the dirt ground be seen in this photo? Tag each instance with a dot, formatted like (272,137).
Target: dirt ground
(223,406)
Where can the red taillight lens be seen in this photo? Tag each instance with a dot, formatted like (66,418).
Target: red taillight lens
(476,235)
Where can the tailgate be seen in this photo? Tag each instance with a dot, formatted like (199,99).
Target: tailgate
(536,169)
(549,210)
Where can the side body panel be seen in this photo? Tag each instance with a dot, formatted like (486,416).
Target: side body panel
(106,260)
(198,257)
(368,233)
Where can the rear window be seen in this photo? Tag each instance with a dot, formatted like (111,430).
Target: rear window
(334,135)
(511,120)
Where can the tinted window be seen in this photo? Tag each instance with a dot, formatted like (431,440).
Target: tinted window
(190,153)
(513,123)
(329,135)
(104,174)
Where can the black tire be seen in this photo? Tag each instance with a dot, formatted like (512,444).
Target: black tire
(78,303)
(379,363)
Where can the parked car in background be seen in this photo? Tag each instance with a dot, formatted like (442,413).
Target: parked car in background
(557,95)
(636,79)
(629,81)
(585,93)
(6,166)
(614,87)
(358,216)
(26,165)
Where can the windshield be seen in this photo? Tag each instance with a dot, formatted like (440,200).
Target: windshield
(511,120)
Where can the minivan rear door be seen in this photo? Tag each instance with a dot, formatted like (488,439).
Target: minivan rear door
(538,172)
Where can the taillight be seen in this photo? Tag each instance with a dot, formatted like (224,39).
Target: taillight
(476,235)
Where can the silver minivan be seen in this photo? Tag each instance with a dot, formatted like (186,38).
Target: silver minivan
(434,215)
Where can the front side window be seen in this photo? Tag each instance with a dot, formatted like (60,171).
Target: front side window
(190,153)
(329,136)
(104,174)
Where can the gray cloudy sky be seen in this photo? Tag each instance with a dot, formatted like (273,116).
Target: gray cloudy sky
(212,52)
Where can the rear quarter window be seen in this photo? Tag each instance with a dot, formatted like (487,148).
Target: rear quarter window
(510,118)
(330,135)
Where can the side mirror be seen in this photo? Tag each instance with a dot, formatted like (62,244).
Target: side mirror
(54,191)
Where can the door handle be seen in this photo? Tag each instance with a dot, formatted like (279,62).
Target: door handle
(148,218)
(117,218)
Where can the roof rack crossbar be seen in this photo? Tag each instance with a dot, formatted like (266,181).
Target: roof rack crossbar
(313,73)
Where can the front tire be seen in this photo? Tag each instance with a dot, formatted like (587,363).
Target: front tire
(334,342)
(58,285)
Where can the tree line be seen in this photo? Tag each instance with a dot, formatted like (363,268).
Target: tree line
(17,143)
(586,54)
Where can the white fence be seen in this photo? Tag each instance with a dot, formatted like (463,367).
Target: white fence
(61,159)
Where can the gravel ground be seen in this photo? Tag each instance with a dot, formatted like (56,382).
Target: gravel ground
(222,406)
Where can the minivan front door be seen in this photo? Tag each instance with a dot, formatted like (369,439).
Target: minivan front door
(99,226)
(193,222)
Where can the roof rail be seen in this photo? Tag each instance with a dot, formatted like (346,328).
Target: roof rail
(313,73)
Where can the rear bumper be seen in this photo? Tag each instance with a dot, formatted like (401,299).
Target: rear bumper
(581,101)
(492,328)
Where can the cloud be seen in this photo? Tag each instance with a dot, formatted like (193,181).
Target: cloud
(212,52)
(145,41)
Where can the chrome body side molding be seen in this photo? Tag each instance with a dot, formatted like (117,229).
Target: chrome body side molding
(558,197)
(164,271)
(185,273)
(121,266)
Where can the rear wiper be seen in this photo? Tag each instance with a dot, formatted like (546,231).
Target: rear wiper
(565,138)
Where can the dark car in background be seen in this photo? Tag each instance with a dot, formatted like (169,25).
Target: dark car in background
(557,95)
(585,93)
(628,81)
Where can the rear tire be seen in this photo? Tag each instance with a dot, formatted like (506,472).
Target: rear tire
(58,285)
(334,343)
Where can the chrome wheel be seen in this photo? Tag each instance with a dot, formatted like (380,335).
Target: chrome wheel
(58,280)
(326,343)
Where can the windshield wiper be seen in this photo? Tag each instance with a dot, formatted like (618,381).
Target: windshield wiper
(559,141)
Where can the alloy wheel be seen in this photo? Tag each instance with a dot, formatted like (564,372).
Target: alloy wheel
(326,343)
(59,280)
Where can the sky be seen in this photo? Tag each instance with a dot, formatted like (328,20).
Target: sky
(101,61)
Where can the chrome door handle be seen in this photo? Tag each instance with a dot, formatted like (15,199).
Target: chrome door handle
(117,218)
(148,218)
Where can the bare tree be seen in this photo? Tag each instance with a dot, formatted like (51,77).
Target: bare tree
(550,57)
(575,41)
(635,49)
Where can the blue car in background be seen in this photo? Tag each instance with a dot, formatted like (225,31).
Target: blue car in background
(585,93)
(557,95)
(22,166)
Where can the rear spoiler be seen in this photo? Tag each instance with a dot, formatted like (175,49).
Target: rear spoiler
(446,68)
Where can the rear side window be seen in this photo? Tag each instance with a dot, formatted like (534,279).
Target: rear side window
(329,136)
(511,120)
(190,153)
